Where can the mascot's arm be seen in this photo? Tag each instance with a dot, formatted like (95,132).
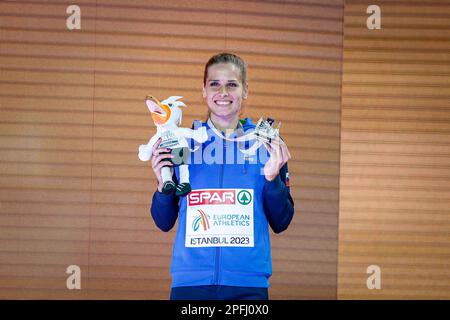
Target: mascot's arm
(200,135)
(145,150)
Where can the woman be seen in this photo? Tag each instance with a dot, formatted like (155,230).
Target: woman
(222,245)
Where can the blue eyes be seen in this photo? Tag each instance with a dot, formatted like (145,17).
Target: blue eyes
(229,84)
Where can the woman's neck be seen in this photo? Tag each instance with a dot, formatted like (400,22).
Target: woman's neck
(224,124)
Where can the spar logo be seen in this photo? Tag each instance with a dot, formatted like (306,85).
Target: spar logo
(212,196)
(201,220)
(244,197)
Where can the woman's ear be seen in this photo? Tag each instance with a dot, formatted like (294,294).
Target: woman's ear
(245,92)
(203,92)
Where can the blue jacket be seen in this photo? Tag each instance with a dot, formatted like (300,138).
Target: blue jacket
(246,266)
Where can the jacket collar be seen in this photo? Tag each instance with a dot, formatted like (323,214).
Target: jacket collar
(238,131)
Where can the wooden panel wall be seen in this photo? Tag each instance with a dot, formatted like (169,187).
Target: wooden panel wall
(395,154)
(72,116)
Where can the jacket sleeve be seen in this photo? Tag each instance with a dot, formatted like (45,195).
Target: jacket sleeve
(164,210)
(278,202)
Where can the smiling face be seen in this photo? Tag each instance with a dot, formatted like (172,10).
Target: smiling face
(224,91)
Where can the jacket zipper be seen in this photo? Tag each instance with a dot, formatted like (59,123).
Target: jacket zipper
(218,249)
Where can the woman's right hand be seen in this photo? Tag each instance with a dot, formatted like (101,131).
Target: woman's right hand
(159,156)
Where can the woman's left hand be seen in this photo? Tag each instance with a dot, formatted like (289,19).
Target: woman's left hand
(279,155)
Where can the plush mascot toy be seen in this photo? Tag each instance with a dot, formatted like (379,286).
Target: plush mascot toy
(167,118)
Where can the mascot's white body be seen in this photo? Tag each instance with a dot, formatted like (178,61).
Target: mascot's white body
(167,118)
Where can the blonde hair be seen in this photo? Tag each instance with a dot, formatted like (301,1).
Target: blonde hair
(225,57)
